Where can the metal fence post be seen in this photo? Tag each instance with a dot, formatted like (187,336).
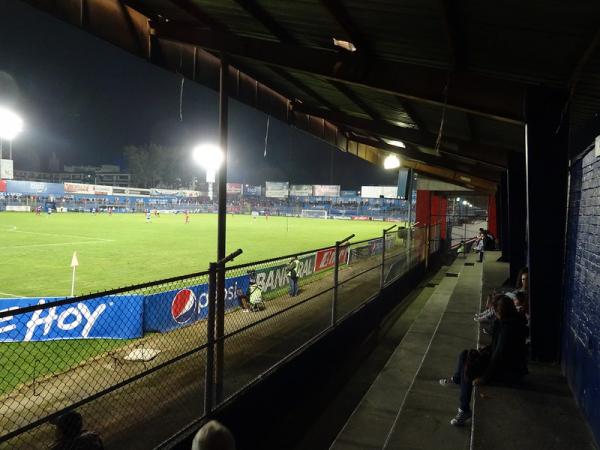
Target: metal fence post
(209,380)
(427,244)
(335,283)
(382,279)
(219,331)
(336,272)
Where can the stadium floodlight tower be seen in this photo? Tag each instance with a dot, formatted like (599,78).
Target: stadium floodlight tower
(10,126)
(210,158)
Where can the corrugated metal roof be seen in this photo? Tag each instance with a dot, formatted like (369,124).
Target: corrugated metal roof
(534,42)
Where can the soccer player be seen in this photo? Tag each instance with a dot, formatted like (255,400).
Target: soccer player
(187,216)
(38,210)
(148,216)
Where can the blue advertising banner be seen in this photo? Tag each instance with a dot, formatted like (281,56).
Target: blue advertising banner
(115,317)
(348,193)
(178,308)
(251,191)
(34,188)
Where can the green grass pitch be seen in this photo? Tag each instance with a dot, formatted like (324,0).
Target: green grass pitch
(123,249)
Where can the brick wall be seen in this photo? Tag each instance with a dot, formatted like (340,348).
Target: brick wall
(581,330)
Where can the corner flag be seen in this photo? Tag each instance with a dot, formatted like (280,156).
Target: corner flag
(74,261)
(74,265)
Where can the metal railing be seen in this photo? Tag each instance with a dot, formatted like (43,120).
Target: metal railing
(159,356)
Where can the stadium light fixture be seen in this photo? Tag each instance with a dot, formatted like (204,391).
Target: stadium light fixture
(391,162)
(10,126)
(458,199)
(209,157)
(465,202)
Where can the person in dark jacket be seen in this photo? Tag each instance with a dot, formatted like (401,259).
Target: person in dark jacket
(504,360)
(70,434)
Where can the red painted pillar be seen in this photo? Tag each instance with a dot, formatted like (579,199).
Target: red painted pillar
(423,208)
(443,213)
(492,224)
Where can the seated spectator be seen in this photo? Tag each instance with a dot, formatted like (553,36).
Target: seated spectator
(255,295)
(488,314)
(243,299)
(213,436)
(70,434)
(523,280)
(504,360)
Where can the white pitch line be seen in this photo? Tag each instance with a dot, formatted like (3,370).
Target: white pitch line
(14,230)
(104,241)
(12,295)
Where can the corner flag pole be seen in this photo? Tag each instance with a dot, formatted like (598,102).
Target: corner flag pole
(74,264)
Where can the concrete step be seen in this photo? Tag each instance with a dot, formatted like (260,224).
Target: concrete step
(373,419)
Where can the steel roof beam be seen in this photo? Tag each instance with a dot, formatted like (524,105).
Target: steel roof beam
(477,152)
(435,165)
(495,99)
(253,8)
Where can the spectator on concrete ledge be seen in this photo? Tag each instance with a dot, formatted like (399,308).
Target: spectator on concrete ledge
(213,436)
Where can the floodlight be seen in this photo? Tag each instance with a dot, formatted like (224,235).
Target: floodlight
(458,199)
(391,162)
(395,143)
(10,124)
(465,202)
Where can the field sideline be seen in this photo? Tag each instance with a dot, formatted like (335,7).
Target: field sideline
(123,249)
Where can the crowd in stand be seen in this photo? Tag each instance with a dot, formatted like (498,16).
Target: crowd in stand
(504,361)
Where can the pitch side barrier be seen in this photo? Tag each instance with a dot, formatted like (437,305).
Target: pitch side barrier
(143,351)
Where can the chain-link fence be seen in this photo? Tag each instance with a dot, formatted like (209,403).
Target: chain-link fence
(140,363)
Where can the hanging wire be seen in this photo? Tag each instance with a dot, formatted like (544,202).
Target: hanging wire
(181,99)
(438,141)
(266,137)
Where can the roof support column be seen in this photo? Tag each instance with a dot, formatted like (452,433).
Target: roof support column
(502,214)
(517,217)
(547,165)
(221,227)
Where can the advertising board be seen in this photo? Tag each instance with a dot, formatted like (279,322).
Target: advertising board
(325,259)
(2,185)
(301,190)
(234,188)
(277,189)
(34,188)
(112,317)
(272,278)
(103,190)
(378,191)
(252,191)
(326,190)
(348,194)
(78,188)
(174,309)
(6,169)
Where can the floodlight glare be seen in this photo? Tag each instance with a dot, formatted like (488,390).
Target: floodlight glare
(209,156)
(458,199)
(465,202)
(391,162)
(10,124)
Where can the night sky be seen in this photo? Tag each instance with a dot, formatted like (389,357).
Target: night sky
(84,99)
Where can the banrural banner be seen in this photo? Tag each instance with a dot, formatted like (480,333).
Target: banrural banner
(272,278)
(301,190)
(277,189)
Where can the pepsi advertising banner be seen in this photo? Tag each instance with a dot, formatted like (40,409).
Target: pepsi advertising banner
(34,188)
(114,317)
(174,309)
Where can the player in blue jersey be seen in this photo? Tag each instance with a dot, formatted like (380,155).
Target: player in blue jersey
(148,216)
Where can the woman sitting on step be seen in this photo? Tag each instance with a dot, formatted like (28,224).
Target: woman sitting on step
(504,360)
